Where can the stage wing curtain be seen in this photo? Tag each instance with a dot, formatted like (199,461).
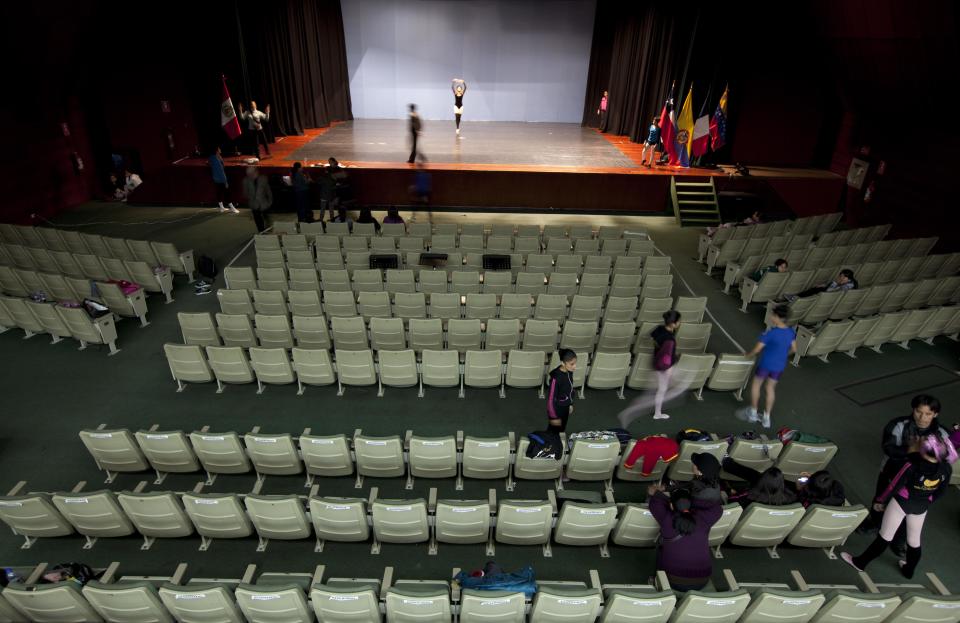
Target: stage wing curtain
(638,49)
(298,62)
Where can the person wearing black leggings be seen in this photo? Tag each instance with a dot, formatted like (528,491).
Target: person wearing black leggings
(459,88)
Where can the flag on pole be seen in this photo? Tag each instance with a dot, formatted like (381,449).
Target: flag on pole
(667,130)
(718,125)
(228,116)
(685,130)
(701,135)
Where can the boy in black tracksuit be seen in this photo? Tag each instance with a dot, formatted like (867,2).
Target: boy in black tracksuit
(560,392)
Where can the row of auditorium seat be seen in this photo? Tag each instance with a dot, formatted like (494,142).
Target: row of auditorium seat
(738,250)
(587,305)
(900,327)
(267,597)
(456,261)
(426,230)
(873,293)
(437,368)
(438,281)
(438,243)
(384,333)
(808,226)
(76,267)
(22,242)
(877,266)
(57,321)
(492,520)
(24,284)
(449,456)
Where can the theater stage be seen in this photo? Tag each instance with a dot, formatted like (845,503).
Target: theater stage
(507,165)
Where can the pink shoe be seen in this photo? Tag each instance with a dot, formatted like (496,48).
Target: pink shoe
(848,558)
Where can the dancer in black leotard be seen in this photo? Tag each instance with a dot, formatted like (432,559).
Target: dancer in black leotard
(459,88)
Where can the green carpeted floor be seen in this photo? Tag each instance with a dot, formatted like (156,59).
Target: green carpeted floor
(52,391)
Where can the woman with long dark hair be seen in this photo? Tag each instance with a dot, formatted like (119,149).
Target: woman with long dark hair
(684,552)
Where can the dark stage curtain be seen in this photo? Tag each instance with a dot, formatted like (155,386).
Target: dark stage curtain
(638,49)
(297,60)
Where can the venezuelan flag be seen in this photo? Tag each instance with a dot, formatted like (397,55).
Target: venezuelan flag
(684,135)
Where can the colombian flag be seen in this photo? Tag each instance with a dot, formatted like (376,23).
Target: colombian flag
(685,130)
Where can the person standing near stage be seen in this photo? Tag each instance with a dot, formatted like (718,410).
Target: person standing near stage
(602,113)
(459,89)
(256,188)
(301,193)
(219,174)
(650,145)
(415,125)
(255,120)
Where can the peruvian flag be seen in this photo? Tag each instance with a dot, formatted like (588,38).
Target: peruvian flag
(228,116)
(701,135)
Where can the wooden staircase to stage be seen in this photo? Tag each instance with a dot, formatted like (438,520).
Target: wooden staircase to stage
(694,203)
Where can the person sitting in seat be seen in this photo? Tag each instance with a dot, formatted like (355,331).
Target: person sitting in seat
(780,266)
(767,487)
(343,217)
(367,217)
(684,552)
(754,219)
(844,281)
(393,217)
(819,488)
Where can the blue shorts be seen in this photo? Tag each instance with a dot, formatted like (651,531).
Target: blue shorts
(763,373)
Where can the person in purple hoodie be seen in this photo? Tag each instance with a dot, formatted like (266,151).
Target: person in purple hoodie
(684,552)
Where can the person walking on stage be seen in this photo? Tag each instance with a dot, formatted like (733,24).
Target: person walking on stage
(602,113)
(219,174)
(650,145)
(415,126)
(459,89)
(256,188)
(255,120)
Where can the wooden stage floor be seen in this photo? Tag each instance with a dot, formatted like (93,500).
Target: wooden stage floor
(539,166)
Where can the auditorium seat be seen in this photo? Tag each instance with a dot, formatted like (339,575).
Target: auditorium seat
(374,305)
(525,522)
(201,602)
(313,366)
(32,516)
(580,337)
(132,305)
(656,286)
(354,367)
(827,526)
(274,601)
(540,335)
(517,306)
(822,342)
(187,364)
(798,457)
(126,601)
(229,365)
(155,515)
(349,333)
(682,468)
(325,455)
(636,527)
(93,514)
(115,451)
(216,516)
(482,369)
(593,460)
(304,303)
(478,606)
(397,368)
(240,278)
(399,521)
(583,524)
(525,468)
(857,607)
(50,603)
(278,517)
(167,452)
(270,302)
(51,323)
(502,335)
(235,301)
(487,458)
(220,453)
(338,519)
(609,371)
(198,328)
(559,602)
(766,526)
(712,606)
(272,455)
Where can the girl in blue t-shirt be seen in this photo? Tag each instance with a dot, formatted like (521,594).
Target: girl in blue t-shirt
(774,348)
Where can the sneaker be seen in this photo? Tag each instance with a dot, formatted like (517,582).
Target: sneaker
(848,558)
(222,208)
(747,414)
(234,210)
(661,416)
(458,131)
(200,292)
(766,420)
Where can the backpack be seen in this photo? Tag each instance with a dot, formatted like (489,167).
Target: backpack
(789,435)
(71,571)
(207,267)
(95,309)
(523,581)
(692,434)
(544,445)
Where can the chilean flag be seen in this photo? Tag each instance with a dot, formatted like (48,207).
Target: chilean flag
(701,135)
(228,116)
(668,130)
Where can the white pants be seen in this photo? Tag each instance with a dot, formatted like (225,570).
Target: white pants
(894,516)
(668,388)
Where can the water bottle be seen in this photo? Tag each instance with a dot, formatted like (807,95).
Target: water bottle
(12,576)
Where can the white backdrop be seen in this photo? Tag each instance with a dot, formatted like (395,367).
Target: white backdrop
(523,60)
